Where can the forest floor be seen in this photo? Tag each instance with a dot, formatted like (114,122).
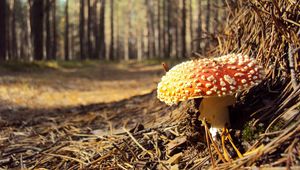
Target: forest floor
(33,93)
(87,116)
(36,101)
(51,85)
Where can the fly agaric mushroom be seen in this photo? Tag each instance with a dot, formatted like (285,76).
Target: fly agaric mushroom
(215,80)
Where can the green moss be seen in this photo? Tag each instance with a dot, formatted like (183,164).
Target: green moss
(251,132)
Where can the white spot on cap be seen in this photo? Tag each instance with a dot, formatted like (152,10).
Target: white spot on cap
(198,90)
(223,89)
(211,78)
(232,60)
(222,83)
(244,81)
(251,71)
(232,67)
(229,79)
(208,85)
(208,92)
(215,88)
(250,64)
(238,74)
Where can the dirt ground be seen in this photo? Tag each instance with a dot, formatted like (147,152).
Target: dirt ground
(97,100)
(29,96)
(60,87)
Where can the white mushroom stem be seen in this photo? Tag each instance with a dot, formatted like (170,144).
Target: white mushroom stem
(213,131)
(215,111)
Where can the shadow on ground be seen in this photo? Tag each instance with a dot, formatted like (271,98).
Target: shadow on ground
(143,109)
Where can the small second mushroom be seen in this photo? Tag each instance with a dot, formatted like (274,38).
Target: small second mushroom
(216,80)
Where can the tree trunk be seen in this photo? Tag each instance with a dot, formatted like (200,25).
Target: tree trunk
(127,32)
(96,51)
(2,30)
(27,47)
(101,29)
(191,26)
(216,16)
(151,29)
(15,50)
(9,48)
(37,14)
(89,30)
(54,29)
(48,32)
(111,50)
(130,38)
(176,28)
(164,29)
(72,43)
(82,31)
(183,30)
(118,47)
(169,27)
(199,29)
(159,28)
(139,45)
(177,31)
(207,21)
(67,57)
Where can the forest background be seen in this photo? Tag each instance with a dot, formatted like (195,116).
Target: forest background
(108,29)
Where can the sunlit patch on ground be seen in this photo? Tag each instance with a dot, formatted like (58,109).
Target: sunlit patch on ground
(77,85)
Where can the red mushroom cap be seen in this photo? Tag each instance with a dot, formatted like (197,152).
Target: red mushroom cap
(220,76)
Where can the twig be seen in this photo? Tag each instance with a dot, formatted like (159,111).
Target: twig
(121,151)
(137,143)
(292,66)
(66,157)
(208,144)
(134,155)
(122,167)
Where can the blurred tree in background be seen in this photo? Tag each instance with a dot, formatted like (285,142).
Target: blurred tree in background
(107,29)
